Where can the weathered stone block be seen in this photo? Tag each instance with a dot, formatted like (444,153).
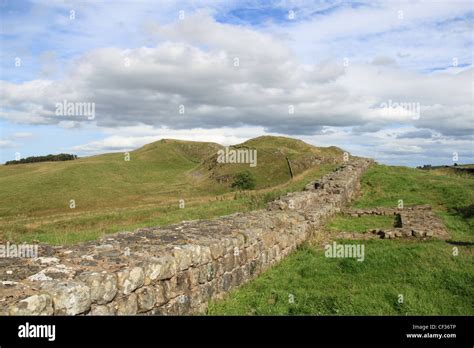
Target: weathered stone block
(406,232)
(183,303)
(170,288)
(127,305)
(196,299)
(103,286)
(102,310)
(241,258)
(226,281)
(251,252)
(217,250)
(41,304)
(182,282)
(196,254)
(183,257)
(130,279)
(206,273)
(283,241)
(419,233)
(169,267)
(152,271)
(145,298)
(193,275)
(237,277)
(254,267)
(268,238)
(207,290)
(228,262)
(218,267)
(160,294)
(69,297)
(206,255)
(264,258)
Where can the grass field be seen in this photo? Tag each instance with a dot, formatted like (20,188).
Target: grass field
(111,194)
(399,277)
(342,223)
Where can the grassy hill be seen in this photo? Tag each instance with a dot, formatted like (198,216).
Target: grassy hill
(101,181)
(112,194)
(431,278)
(275,155)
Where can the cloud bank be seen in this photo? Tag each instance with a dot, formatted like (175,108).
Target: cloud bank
(208,75)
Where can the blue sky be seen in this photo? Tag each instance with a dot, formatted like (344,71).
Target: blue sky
(334,63)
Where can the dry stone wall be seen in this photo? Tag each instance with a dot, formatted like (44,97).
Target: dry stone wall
(171,270)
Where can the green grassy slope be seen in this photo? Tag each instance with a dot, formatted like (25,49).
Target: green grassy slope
(112,194)
(431,279)
(273,154)
(105,180)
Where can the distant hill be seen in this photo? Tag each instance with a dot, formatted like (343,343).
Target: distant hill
(275,157)
(456,168)
(166,169)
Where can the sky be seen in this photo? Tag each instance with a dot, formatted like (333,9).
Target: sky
(390,80)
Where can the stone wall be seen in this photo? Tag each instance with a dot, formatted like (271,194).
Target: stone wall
(174,269)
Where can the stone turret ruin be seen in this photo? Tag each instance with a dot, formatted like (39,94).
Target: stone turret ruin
(417,221)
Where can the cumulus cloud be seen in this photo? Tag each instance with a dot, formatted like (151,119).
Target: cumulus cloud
(206,74)
(133,137)
(326,77)
(422,133)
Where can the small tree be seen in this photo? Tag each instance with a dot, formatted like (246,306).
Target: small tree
(244,181)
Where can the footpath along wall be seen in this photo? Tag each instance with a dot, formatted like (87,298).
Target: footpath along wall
(172,270)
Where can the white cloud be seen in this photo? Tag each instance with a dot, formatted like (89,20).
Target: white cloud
(22,135)
(297,65)
(5,143)
(133,137)
(149,85)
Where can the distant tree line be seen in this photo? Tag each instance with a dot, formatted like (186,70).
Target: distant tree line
(48,158)
(455,167)
(429,166)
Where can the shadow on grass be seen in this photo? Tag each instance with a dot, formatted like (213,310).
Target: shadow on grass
(453,242)
(465,212)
